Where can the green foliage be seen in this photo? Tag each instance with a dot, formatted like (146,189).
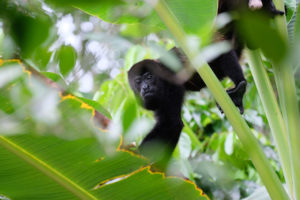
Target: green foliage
(27,31)
(65,156)
(53,147)
(41,57)
(197,18)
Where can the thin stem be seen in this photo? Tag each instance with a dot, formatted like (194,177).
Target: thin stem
(273,113)
(285,82)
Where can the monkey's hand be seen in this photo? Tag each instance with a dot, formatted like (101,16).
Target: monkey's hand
(275,12)
(236,94)
(255,4)
(270,8)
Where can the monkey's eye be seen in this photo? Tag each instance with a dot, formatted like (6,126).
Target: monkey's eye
(138,80)
(149,76)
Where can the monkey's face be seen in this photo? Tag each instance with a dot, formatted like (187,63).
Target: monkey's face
(150,88)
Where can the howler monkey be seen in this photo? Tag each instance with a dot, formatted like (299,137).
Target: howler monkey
(153,81)
(163,97)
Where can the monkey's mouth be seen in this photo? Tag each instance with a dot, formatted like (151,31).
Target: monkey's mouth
(148,93)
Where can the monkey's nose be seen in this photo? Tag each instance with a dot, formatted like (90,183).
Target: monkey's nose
(146,87)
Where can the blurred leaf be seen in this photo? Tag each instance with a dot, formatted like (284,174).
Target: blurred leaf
(41,57)
(259,194)
(69,169)
(70,158)
(8,73)
(195,16)
(65,168)
(53,76)
(138,30)
(66,56)
(134,55)
(195,143)
(29,33)
(113,94)
(253,117)
(7,47)
(138,129)
(258,32)
(185,146)
(217,172)
(110,11)
(129,114)
(214,142)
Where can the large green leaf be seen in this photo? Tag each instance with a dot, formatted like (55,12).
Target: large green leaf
(34,167)
(258,32)
(68,157)
(195,16)
(155,184)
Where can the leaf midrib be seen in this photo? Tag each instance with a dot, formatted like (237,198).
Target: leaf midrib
(45,169)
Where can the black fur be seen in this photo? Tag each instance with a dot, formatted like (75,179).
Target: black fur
(226,65)
(165,99)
